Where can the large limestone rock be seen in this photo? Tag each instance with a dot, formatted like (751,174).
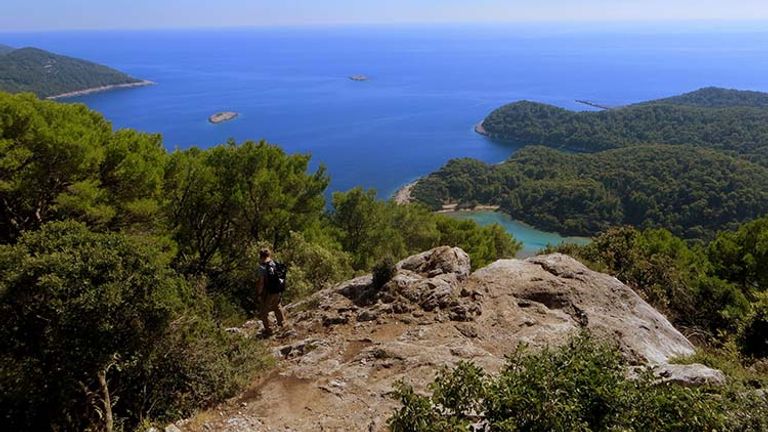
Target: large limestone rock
(348,345)
(546,298)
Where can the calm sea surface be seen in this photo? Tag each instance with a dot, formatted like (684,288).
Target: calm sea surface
(428,86)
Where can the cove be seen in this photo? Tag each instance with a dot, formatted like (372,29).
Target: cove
(533,240)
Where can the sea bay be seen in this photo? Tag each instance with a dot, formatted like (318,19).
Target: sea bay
(533,240)
(428,86)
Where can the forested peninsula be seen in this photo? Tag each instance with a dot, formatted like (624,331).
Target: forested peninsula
(692,164)
(50,75)
(727,120)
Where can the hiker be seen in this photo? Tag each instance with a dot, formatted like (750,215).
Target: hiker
(269,288)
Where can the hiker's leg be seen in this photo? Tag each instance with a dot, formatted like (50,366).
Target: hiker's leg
(279,314)
(264,315)
(275,306)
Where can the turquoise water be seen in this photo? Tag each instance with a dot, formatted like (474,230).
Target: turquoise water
(533,240)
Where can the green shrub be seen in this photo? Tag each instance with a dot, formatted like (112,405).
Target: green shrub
(383,271)
(312,266)
(87,314)
(582,386)
(194,365)
(754,336)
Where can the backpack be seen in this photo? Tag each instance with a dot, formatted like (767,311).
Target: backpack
(276,273)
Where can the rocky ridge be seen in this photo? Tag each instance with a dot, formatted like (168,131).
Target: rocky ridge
(348,345)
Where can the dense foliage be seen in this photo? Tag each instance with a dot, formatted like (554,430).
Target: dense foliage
(371,229)
(120,263)
(582,386)
(714,97)
(59,161)
(98,326)
(47,74)
(716,290)
(693,192)
(717,119)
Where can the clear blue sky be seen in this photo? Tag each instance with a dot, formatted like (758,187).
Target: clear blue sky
(125,14)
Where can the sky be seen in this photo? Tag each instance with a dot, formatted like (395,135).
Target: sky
(35,15)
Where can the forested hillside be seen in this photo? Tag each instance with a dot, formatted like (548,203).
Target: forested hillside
(691,191)
(47,74)
(726,120)
(121,263)
(714,97)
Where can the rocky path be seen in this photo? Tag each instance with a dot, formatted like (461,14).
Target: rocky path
(348,345)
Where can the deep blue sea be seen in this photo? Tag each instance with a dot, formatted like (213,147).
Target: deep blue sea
(428,85)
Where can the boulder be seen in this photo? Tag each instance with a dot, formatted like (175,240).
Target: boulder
(441,260)
(691,375)
(552,296)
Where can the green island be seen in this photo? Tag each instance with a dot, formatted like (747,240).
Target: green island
(127,273)
(727,120)
(50,75)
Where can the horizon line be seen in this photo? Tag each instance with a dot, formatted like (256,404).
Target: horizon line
(392,24)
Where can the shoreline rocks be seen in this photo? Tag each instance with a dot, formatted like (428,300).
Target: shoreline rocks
(403,195)
(480,129)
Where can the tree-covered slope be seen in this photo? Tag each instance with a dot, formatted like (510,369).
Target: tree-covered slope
(47,74)
(121,263)
(691,191)
(4,49)
(715,97)
(727,120)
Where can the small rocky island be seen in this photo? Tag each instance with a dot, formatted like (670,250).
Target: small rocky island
(358,78)
(221,117)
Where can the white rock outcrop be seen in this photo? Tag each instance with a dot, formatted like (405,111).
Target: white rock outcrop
(348,345)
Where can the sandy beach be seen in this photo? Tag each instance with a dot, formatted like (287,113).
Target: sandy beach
(480,129)
(101,89)
(403,195)
(454,208)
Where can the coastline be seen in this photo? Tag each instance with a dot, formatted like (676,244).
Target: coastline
(454,208)
(481,130)
(91,90)
(403,195)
